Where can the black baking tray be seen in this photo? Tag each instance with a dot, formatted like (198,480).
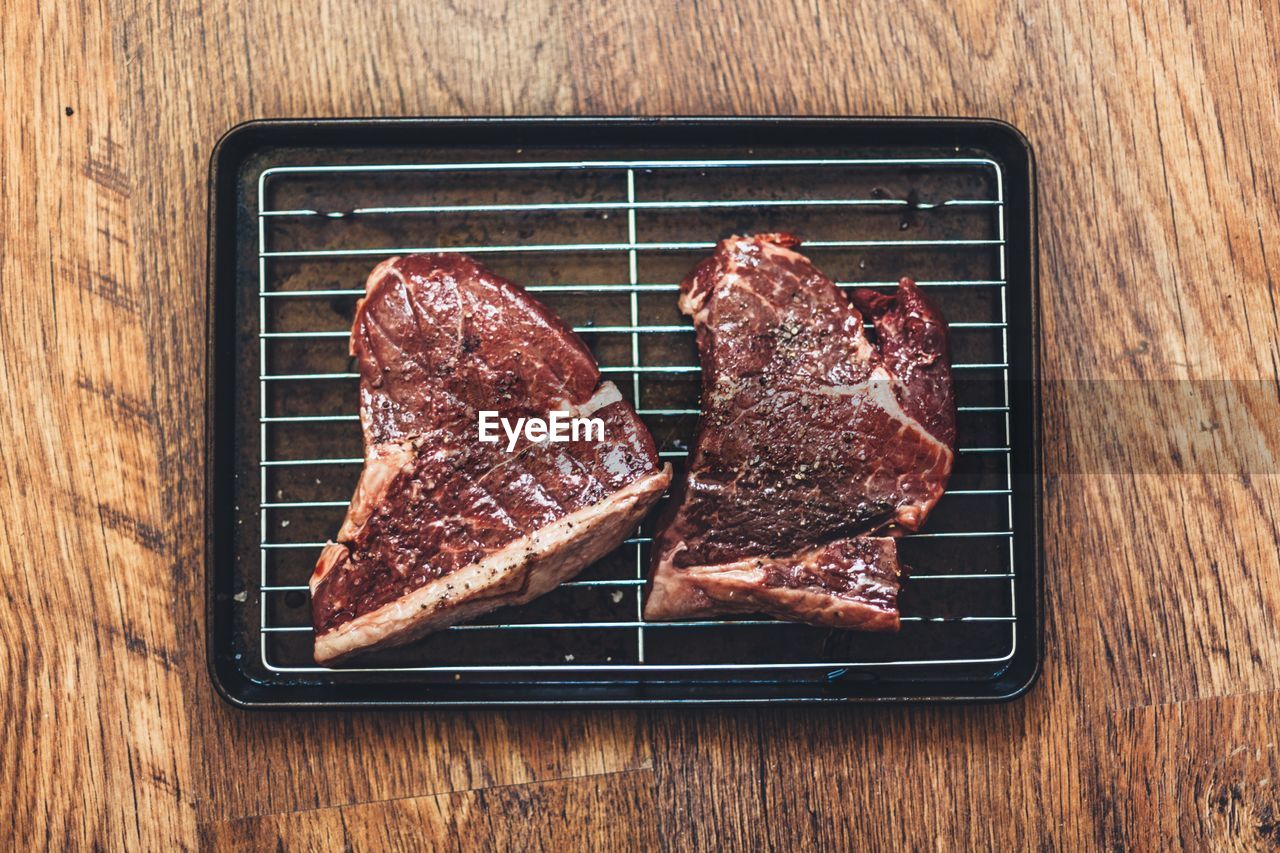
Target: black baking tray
(237,652)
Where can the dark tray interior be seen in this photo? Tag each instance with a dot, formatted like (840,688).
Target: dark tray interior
(951,206)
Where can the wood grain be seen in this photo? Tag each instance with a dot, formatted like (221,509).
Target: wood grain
(1201,772)
(611,812)
(1155,126)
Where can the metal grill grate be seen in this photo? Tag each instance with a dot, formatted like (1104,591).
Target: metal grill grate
(529,219)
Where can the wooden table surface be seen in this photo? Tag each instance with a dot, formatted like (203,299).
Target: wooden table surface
(1156,128)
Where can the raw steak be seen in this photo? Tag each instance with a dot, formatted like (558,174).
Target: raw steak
(828,427)
(443,527)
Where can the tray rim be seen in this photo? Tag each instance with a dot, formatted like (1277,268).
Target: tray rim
(238,689)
